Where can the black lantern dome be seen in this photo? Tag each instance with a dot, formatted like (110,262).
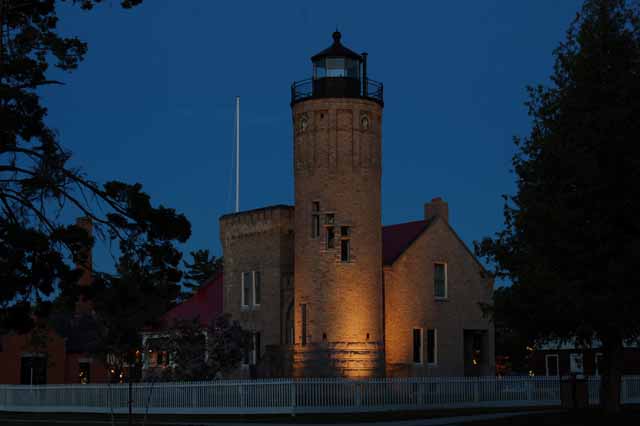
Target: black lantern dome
(338,72)
(336,61)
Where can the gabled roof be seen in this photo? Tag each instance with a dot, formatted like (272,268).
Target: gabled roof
(206,303)
(397,238)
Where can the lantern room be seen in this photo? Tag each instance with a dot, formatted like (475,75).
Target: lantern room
(338,72)
(336,61)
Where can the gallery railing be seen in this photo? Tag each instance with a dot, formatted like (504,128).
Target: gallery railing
(337,87)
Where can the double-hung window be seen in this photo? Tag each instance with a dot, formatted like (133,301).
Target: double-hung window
(440,280)
(251,289)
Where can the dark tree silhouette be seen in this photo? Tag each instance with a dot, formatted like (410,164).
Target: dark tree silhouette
(202,267)
(144,287)
(572,236)
(192,356)
(37,183)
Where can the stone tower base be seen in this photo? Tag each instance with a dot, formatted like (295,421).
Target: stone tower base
(339,359)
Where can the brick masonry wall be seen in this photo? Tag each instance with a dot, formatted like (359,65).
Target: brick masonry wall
(259,240)
(99,372)
(14,346)
(337,163)
(410,302)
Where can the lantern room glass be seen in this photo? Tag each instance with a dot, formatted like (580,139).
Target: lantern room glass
(336,67)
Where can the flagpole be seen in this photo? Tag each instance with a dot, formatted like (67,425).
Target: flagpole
(237,154)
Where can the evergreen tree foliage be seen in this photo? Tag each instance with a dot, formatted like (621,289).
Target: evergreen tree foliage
(37,182)
(202,267)
(144,287)
(572,236)
(192,356)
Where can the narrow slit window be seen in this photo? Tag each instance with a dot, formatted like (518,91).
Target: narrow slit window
(315,220)
(303,314)
(315,226)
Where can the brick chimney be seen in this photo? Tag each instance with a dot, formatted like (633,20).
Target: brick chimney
(436,208)
(83,306)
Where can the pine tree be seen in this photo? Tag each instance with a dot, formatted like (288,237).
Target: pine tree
(37,184)
(572,237)
(203,267)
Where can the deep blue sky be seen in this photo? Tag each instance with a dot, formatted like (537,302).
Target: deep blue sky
(154,100)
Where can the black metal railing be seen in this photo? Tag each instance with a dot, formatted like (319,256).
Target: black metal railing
(336,87)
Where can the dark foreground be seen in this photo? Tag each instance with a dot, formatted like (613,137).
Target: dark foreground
(63,419)
(541,416)
(592,416)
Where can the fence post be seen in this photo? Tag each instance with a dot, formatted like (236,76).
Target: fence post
(243,403)
(476,390)
(623,389)
(358,395)
(292,392)
(530,387)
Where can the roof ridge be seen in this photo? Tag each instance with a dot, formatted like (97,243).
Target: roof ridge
(406,223)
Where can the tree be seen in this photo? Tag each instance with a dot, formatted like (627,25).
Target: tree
(198,352)
(36,181)
(144,287)
(571,237)
(201,268)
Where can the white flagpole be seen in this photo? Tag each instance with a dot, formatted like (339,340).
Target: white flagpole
(237,154)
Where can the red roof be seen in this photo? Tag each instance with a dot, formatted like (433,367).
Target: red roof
(206,303)
(397,238)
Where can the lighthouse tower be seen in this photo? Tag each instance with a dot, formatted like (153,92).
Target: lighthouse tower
(337,120)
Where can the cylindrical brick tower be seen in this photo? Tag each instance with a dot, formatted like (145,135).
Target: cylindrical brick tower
(337,119)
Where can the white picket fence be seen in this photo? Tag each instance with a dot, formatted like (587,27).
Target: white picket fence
(299,395)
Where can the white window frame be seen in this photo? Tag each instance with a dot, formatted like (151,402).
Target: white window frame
(243,303)
(546,364)
(573,360)
(435,347)
(413,330)
(446,280)
(253,288)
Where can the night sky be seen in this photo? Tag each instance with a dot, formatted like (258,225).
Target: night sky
(154,100)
